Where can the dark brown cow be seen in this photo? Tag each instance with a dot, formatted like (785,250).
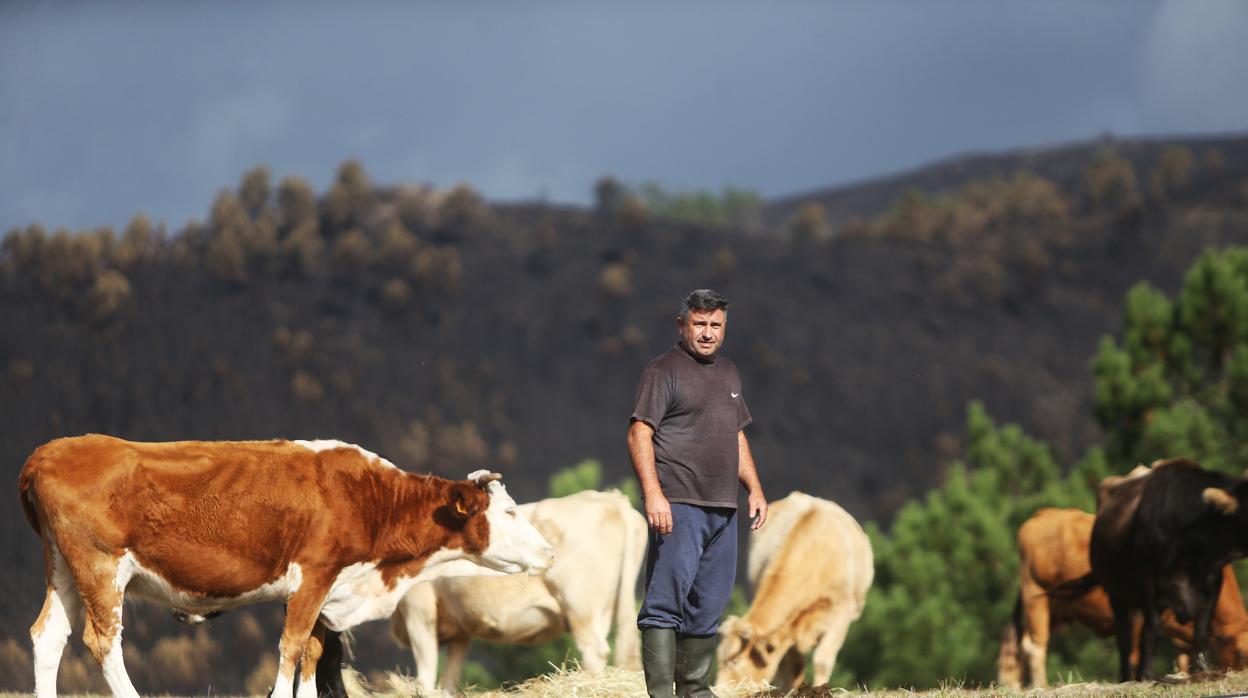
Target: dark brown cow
(334,531)
(1052,549)
(1164,547)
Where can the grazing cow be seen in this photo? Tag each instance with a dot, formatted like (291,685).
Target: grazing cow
(1164,548)
(599,541)
(334,531)
(1053,549)
(811,567)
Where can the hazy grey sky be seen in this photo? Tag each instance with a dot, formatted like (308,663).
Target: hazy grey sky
(111,108)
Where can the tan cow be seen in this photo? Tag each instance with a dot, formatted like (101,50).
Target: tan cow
(811,567)
(1053,549)
(334,531)
(600,543)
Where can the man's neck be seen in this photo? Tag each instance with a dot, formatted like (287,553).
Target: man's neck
(696,357)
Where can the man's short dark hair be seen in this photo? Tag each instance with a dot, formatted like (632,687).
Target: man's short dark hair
(703,299)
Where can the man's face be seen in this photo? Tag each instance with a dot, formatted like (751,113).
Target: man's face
(703,331)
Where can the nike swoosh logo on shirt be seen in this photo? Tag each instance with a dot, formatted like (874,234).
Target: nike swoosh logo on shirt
(734,394)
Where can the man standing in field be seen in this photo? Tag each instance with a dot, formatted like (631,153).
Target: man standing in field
(689,452)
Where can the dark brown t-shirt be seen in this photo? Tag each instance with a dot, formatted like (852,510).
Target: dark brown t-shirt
(696,408)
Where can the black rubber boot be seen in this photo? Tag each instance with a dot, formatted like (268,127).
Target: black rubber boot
(658,661)
(694,658)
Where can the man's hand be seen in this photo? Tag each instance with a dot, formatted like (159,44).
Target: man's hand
(659,513)
(758,507)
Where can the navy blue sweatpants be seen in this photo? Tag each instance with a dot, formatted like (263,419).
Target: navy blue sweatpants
(690,571)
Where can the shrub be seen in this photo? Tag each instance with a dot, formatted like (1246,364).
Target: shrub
(303,248)
(305,387)
(609,194)
(1171,173)
(254,191)
(108,294)
(809,224)
(1112,183)
(417,208)
(460,212)
(139,241)
(396,294)
(461,445)
(616,280)
(397,248)
(350,197)
(296,202)
(23,248)
(351,255)
(69,262)
(227,258)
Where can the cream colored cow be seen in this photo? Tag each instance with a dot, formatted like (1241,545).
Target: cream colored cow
(600,543)
(811,567)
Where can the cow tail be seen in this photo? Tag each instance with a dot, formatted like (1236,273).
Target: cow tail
(627,636)
(28,505)
(1074,588)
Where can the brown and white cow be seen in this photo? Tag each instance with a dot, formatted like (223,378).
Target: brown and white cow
(334,531)
(811,566)
(1052,550)
(600,543)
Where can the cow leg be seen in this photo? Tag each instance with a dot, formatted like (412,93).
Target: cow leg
(329,667)
(791,670)
(1125,635)
(1210,588)
(61,608)
(1148,633)
(313,649)
(824,658)
(302,611)
(1137,623)
(415,624)
(1036,627)
(453,669)
(102,579)
(590,634)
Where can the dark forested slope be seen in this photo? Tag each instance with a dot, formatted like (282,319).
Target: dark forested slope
(448,334)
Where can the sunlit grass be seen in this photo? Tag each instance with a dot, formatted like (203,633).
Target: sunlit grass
(565,682)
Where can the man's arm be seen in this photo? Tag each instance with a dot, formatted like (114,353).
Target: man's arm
(748,475)
(641,450)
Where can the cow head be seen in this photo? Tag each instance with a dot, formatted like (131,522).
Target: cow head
(744,654)
(496,535)
(1229,503)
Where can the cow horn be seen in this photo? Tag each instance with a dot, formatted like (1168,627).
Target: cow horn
(1220,499)
(484,477)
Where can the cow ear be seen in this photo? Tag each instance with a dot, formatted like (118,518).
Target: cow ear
(743,629)
(463,504)
(1221,500)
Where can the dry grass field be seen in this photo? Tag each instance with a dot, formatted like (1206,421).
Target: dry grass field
(618,683)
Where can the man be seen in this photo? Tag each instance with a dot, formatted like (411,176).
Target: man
(689,452)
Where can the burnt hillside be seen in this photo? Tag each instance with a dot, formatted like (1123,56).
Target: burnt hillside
(448,334)
(1065,165)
